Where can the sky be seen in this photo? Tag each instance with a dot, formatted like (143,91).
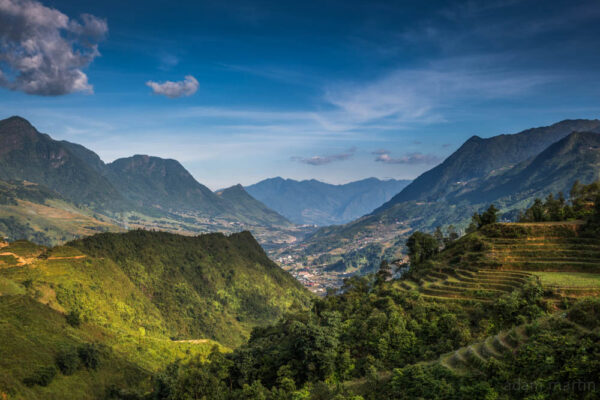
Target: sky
(240,91)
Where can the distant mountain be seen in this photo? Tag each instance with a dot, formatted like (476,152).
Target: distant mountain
(162,183)
(248,209)
(26,154)
(452,191)
(478,157)
(319,203)
(139,191)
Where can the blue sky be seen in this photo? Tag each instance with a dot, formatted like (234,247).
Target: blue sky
(332,90)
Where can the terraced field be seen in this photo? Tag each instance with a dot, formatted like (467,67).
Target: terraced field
(473,359)
(543,247)
(461,284)
(509,255)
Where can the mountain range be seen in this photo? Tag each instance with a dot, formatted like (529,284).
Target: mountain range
(137,191)
(318,203)
(507,170)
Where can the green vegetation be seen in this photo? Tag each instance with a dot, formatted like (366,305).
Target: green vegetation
(580,205)
(456,325)
(210,286)
(99,317)
(569,279)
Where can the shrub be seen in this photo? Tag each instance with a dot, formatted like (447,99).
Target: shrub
(74,318)
(586,313)
(89,354)
(42,376)
(68,361)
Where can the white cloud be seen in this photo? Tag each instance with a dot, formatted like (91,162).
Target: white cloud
(327,159)
(42,51)
(384,156)
(187,87)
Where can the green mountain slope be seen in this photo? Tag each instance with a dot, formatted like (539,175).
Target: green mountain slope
(207,286)
(140,299)
(33,212)
(319,203)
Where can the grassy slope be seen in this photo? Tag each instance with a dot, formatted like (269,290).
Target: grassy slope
(154,288)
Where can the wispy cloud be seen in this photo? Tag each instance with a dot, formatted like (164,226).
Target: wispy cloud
(384,156)
(326,159)
(167,61)
(186,87)
(425,95)
(43,51)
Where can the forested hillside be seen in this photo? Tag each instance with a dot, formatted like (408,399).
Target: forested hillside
(465,321)
(110,310)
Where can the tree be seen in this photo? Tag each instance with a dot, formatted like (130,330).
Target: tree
(452,235)
(490,216)
(74,318)
(385,272)
(475,223)
(439,236)
(67,360)
(421,247)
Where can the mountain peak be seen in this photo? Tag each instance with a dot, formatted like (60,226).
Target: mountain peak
(239,189)
(15,119)
(17,126)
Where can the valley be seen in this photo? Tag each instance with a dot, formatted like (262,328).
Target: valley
(299,200)
(142,301)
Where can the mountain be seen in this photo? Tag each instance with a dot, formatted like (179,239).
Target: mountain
(153,182)
(113,309)
(83,195)
(319,203)
(26,154)
(478,157)
(576,157)
(249,209)
(451,192)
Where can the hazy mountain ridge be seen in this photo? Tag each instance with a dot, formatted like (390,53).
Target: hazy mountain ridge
(478,157)
(319,203)
(149,191)
(512,187)
(248,208)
